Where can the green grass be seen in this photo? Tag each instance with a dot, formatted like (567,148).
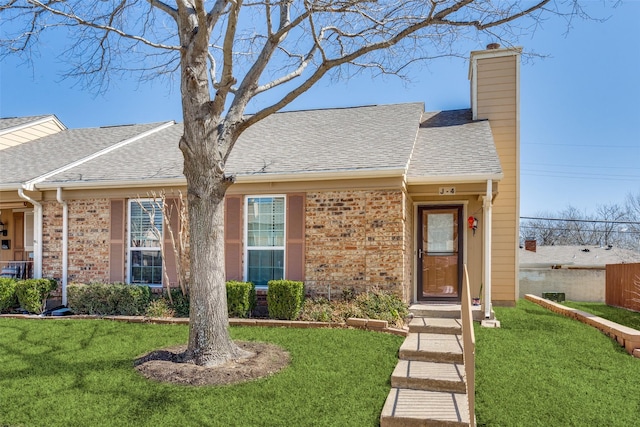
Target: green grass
(543,369)
(618,315)
(80,373)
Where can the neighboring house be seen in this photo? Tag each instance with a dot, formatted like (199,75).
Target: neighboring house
(578,271)
(363,197)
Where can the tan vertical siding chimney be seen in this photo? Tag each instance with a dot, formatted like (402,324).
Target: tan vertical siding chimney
(495,96)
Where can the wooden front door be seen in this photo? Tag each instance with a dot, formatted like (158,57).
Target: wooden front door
(440,253)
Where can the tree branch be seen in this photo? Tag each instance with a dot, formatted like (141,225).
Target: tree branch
(81,21)
(172,12)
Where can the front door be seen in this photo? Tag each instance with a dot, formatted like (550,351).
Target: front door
(440,253)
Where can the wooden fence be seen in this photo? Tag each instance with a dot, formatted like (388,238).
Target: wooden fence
(623,286)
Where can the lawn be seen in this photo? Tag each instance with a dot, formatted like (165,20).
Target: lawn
(80,373)
(543,369)
(618,315)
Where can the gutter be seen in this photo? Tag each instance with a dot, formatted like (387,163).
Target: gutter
(37,233)
(321,176)
(239,179)
(455,179)
(65,243)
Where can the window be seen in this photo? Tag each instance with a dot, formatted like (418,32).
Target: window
(145,234)
(265,239)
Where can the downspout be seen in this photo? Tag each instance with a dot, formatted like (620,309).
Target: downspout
(37,234)
(487,248)
(65,243)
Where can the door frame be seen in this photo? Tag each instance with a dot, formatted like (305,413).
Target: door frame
(461,206)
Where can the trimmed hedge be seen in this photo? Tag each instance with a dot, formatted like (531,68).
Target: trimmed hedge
(109,299)
(241,298)
(8,297)
(285,299)
(33,293)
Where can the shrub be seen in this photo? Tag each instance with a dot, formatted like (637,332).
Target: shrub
(159,308)
(241,298)
(285,299)
(317,310)
(180,304)
(109,299)
(33,293)
(382,306)
(8,297)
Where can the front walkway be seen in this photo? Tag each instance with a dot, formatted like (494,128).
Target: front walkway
(429,383)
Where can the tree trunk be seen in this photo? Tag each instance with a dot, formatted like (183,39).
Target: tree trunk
(209,340)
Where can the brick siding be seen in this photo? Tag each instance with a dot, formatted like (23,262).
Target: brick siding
(355,239)
(88,240)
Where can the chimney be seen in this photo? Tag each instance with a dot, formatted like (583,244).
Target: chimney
(494,75)
(530,245)
(495,97)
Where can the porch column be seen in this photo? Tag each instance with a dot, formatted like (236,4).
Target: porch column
(486,271)
(37,234)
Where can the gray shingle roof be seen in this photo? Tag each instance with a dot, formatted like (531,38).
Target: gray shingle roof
(333,140)
(156,156)
(450,143)
(10,122)
(32,159)
(344,140)
(576,256)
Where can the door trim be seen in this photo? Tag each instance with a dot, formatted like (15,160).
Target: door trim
(419,209)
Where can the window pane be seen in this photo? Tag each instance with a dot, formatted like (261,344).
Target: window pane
(146,267)
(265,265)
(146,224)
(440,234)
(265,221)
(145,229)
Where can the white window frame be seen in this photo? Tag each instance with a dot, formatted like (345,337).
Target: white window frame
(130,248)
(246,233)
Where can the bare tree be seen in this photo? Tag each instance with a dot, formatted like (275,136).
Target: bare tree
(543,231)
(632,230)
(610,216)
(230,52)
(173,211)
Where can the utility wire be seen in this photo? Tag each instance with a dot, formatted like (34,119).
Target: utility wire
(603,221)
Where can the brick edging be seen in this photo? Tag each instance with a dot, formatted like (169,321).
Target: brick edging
(352,322)
(628,338)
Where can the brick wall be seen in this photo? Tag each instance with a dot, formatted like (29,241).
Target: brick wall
(355,239)
(88,240)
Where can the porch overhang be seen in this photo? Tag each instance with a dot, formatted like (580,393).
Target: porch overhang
(454,179)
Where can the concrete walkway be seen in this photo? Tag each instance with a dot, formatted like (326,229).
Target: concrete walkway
(428,384)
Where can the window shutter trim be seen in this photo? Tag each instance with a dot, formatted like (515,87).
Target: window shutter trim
(117,244)
(233,220)
(295,247)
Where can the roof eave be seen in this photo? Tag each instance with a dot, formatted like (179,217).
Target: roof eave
(320,176)
(454,179)
(36,122)
(100,185)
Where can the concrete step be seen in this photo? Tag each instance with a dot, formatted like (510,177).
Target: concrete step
(436,325)
(436,310)
(408,408)
(432,376)
(427,347)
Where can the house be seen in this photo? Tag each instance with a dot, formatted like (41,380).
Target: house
(578,271)
(382,196)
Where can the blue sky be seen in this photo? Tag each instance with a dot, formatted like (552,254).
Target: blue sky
(580,106)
